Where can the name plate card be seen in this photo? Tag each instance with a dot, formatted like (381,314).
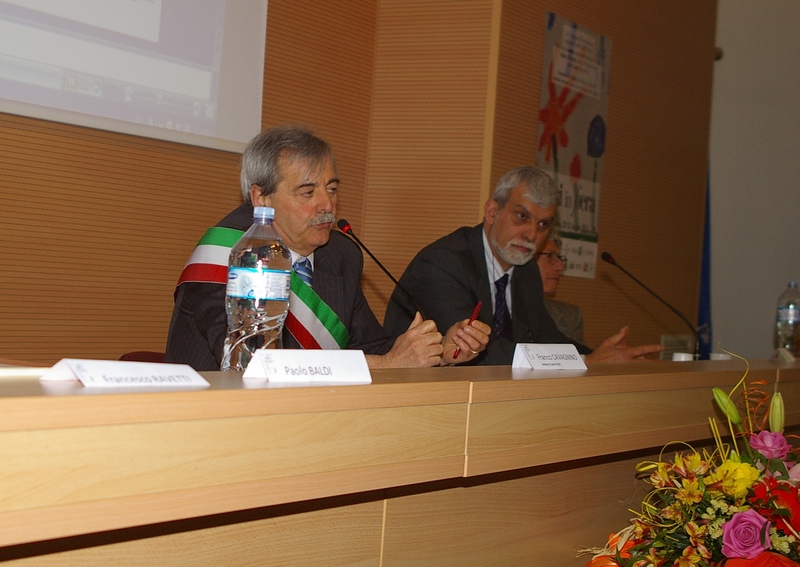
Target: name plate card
(547,357)
(123,374)
(309,367)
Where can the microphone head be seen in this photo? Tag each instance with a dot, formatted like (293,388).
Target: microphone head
(344,226)
(606,257)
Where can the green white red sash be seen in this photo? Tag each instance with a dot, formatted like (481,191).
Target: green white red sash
(209,261)
(310,320)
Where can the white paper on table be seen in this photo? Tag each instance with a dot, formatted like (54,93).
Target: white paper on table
(124,374)
(547,357)
(309,367)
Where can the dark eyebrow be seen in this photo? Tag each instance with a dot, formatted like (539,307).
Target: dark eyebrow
(314,184)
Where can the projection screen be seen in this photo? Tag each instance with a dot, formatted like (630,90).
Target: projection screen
(189,71)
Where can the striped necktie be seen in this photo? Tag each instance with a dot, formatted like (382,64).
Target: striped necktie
(303,268)
(502,316)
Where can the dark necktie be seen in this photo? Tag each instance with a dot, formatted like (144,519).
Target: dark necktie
(303,269)
(502,316)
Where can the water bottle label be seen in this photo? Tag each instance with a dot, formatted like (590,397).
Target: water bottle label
(788,314)
(252,283)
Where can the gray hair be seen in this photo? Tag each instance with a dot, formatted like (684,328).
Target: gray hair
(555,238)
(261,160)
(539,187)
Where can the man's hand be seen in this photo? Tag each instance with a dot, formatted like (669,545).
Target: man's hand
(616,349)
(470,338)
(420,345)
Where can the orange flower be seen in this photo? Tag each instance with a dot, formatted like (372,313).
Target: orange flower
(609,560)
(602,561)
(554,115)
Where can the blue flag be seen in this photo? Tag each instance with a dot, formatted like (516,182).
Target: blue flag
(704,310)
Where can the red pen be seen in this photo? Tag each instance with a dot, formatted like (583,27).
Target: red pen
(471,319)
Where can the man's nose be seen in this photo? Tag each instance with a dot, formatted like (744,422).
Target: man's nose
(324,202)
(530,234)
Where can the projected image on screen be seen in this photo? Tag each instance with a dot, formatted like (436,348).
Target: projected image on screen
(156,63)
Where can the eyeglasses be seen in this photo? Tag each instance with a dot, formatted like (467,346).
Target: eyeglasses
(553,257)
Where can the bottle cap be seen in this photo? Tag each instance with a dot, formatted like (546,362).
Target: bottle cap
(263,213)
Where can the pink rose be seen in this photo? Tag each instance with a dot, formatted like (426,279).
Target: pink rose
(745,535)
(794,473)
(771,445)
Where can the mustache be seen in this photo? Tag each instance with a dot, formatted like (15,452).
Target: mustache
(530,246)
(322,218)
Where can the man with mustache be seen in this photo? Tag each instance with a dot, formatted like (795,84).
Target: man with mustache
(294,172)
(491,263)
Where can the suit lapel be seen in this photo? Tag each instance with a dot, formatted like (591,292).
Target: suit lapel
(326,280)
(525,286)
(481,282)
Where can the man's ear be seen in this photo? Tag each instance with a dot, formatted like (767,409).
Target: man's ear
(490,210)
(258,199)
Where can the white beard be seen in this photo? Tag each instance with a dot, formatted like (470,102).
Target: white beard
(510,255)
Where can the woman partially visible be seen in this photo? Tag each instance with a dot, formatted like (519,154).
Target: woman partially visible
(568,317)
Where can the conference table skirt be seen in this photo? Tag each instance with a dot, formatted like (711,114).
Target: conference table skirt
(442,466)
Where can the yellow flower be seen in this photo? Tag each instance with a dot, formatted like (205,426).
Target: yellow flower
(732,478)
(689,558)
(690,466)
(690,493)
(660,477)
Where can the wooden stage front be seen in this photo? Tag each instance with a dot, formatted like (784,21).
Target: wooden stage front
(443,466)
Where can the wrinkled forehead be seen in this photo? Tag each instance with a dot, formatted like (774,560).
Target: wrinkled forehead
(519,199)
(308,167)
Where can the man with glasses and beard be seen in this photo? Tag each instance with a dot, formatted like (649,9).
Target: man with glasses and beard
(491,263)
(294,172)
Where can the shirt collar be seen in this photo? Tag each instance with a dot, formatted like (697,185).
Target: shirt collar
(493,267)
(296,257)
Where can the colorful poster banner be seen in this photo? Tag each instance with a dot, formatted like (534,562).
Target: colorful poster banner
(572,132)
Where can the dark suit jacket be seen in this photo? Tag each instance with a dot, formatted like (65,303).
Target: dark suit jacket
(448,278)
(567,317)
(199,322)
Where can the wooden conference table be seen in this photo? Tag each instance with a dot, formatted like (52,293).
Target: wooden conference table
(444,466)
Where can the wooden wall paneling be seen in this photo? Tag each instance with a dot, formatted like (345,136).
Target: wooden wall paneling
(406,93)
(427,129)
(150,201)
(653,193)
(318,72)
(652,209)
(95,227)
(518,85)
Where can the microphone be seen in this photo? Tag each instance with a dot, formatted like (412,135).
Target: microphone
(606,257)
(345,227)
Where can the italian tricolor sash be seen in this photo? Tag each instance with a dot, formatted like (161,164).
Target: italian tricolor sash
(310,320)
(209,261)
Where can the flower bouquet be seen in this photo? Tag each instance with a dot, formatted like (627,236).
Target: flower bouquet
(736,506)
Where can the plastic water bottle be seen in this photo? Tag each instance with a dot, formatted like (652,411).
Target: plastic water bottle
(257,297)
(787,320)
